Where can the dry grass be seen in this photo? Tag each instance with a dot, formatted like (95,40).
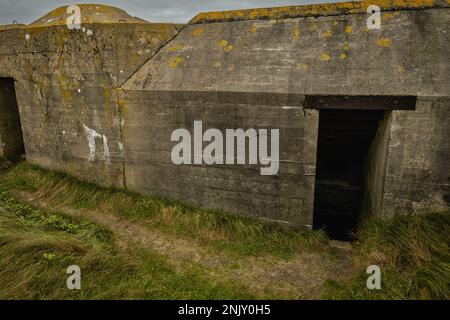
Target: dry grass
(411,250)
(227,232)
(37,246)
(413,254)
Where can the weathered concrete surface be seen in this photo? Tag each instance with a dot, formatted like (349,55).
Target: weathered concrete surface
(91,14)
(418,169)
(11,141)
(151,116)
(65,82)
(308,55)
(126,85)
(376,169)
(312,55)
(315,10)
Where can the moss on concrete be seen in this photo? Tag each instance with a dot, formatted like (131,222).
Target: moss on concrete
(313,10)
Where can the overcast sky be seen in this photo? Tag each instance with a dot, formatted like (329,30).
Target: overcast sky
(26,11)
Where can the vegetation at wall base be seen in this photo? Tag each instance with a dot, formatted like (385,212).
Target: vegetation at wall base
(224,231)
(412,252)
(38,243)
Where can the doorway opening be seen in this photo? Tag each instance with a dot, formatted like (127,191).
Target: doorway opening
(11,138)
(349,147)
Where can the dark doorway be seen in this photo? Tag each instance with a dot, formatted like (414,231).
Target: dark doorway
(344,141)
(11,139)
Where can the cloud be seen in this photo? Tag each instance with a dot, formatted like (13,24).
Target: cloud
(180,11)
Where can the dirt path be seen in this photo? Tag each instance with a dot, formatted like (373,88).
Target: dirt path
(300,277)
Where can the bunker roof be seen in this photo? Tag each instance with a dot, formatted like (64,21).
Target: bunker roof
(316,10)
(91,14)
(11,26)
(102,14)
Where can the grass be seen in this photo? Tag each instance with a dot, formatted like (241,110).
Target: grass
(218,229)
(413,254)
(36,247)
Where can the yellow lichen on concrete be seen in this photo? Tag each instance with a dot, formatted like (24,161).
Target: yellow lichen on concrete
(346,46)
(314,27)
(342,56)
(349,29)
(302,66)
(311,10)
(388,15)
(297,33)
(384,42)
(135,56)
(328,34)
(197,32)
(175,62)
(123,105)
(175,48)
(226,46)
(325,57)
(223,43)
(107,99)
(254,29)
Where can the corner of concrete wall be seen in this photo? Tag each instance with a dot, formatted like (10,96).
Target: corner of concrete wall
(376,169)
(417,173)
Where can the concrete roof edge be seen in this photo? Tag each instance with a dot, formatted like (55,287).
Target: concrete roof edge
(316,10)
(12,26)
(87,25)
(89,13)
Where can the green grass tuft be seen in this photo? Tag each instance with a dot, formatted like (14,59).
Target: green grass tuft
(413,254)
(218,229)
(36,247)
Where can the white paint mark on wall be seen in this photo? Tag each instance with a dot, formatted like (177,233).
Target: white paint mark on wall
(27,37)
(291,108)
(91,135)
(106,150)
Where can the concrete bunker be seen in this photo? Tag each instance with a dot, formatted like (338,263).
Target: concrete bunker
(352,146)
(136,82)
(11,139)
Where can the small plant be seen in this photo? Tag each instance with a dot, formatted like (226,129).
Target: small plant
(413,253)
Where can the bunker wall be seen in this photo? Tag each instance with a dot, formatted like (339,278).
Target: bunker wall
(65,82)
(332,55)
(80,89)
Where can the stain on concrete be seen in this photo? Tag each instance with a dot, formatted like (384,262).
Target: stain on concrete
(384,42)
